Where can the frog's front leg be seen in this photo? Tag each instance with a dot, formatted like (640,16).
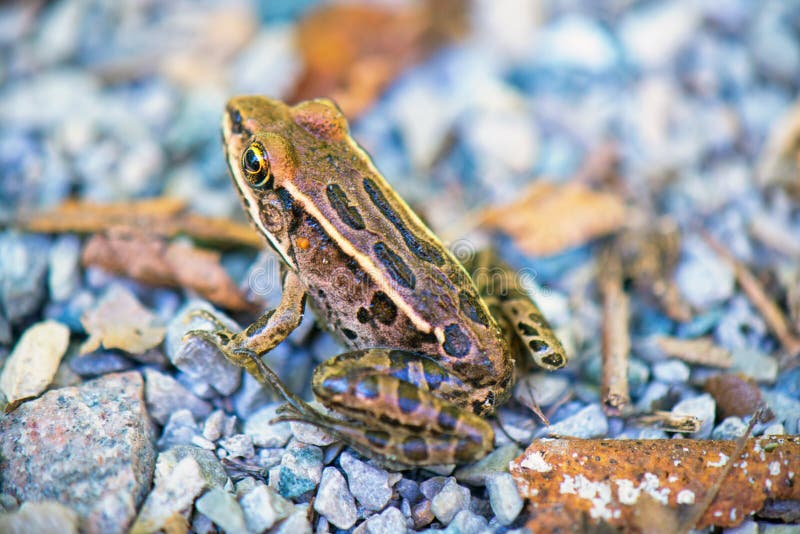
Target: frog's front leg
(397,406)
(246,348)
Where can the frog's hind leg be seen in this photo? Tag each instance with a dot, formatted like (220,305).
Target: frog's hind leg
(510,304)
(394,414)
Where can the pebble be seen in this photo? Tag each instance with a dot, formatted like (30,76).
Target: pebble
(673,21)
(300,470)
(263,507)
(99,363)
(390,521)
(164,395)
(197,358)
(296,523)
(730,428)
(223,509)
(761,367)
(218,425)
(504,497)
(543,388)
(180,429)
(334,500)
(102,419)
(310,434)
(577,42)
(704,279)
(495,462)
(702,407)
(671,372)
(34,361)
(785,408)
(64,271)
(251,397)
(449,500)
(266,434)
(211,469)
(589,422)
(238,446)
(467,522)
(371,486)
(23,266)
(46,517)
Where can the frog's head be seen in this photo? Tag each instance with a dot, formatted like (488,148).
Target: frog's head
(275,157)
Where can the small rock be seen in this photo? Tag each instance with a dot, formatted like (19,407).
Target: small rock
(450,500)
(653,398)
(99,363)
(23,266)
(251,397)
(300,470)
(172,493)
(94,450)
(223,509)
(761,367)
(775,429)
(577,42)
(674,23)
(671,372)
(119,321)
(421,514)
(504,497)
(466,522)
(495,462)
(263,508)
(748,527)
(210,467)
(334,500)
(202,524)
(264,433)
(590,422)
(703,278)
(731,428)
(703,408)
(64,267)
(197,358)
(389,521)
(370,485)
(215,425)
(34,361)
(46,517)
(180,429)
(786,410)
(165,395)
(544,388)
(310,434)
(239,446)
(430,487)
(296,523)
(409,490)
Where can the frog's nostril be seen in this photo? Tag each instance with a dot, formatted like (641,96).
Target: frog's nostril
(236,120)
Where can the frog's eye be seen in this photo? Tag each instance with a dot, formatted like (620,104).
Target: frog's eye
(256,167)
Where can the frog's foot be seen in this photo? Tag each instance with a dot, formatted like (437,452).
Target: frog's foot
(230,344)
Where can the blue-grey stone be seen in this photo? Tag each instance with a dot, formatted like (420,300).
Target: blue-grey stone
(671,372)
(334,500)
(504,497)
(590,422)
(23,266)
(300,470)
(703,408)
(785,408)
(730,428)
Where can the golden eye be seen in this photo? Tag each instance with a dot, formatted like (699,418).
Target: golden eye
(256,166)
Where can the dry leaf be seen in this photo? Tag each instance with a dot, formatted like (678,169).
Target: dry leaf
(701,351)
(151,260)
(119,321)
(352,52)
(163,216)
(779,162)
(34,362)
(550,218)
(604,479)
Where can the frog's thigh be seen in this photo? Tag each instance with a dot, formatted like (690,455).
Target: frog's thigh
(405,419)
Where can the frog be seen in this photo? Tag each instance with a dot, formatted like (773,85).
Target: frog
(430,353)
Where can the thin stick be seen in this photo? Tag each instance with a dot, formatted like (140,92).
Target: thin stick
(701,351)
(616,343)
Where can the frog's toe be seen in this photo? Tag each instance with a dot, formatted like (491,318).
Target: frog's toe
(209,316)
(220,338)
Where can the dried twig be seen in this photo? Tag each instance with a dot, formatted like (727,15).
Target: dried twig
(775,319)
(616,342)
(701,351)
(670,422)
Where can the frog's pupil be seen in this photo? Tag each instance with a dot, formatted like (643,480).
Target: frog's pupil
(251,161)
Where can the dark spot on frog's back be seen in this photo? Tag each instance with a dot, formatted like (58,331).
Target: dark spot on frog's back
(347,213)
(291,209)
(415,449)
(377,438)
(527,329)
(456,343)
(395,266)
(363,315)
(349,334)
(471,307)
(420,247)
(382,308)
(407,397)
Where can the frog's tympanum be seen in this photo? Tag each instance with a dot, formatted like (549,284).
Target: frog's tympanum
(430,354)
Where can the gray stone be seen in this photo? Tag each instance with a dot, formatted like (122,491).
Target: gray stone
(251,397)
(421,514)
(264,433)
(300,470)
(760,367)
(671,372)
(450,500)
(495,462)
(165,395)
(504,497)
(543,388)
(94,450)
(211,469)
(370,485)
(23,266)
(731,428)
(702,407)
(296,523)
(466,522)
(786,410)
(223,509)
(174,490)
(703,278)
(46,517)
(202,524)
(64,267)
(577,42)
(653,396)
(239,446)
(263,507)
(218,425)
(334,500)
(590,422)
(99,363)
(748,527)
(310,434)
(775,429)
(197,358)
(180,429)
(674,22)
(390,521)
(430,487)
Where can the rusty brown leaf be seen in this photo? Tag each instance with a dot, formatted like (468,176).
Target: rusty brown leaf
(352,52)
(162,215)
(605,479)
(537,221)
(152,260)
